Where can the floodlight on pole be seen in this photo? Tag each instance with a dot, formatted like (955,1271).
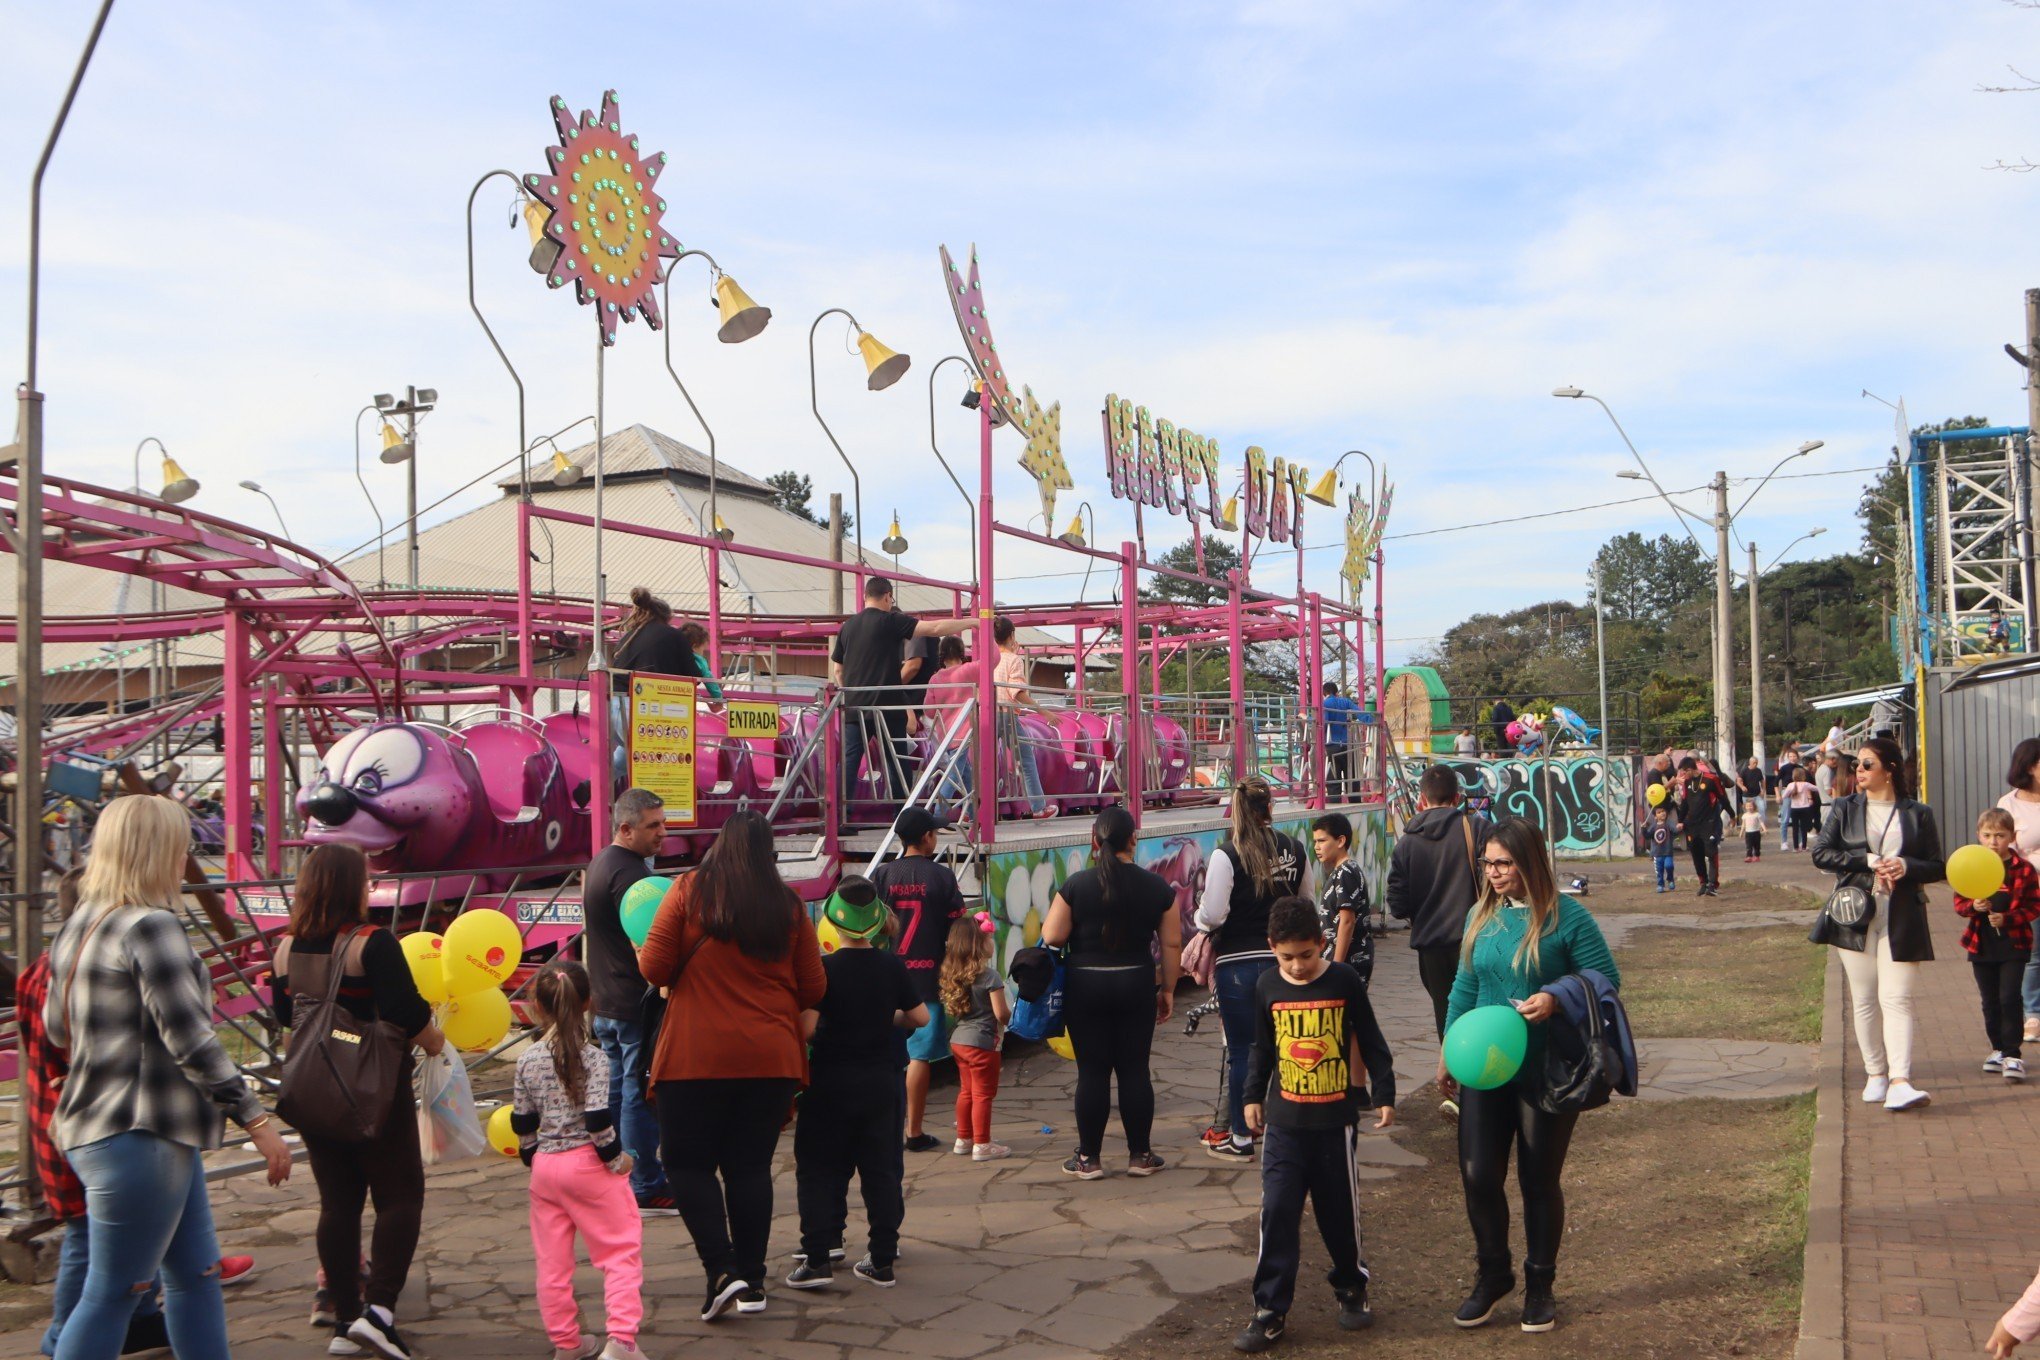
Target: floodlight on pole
(275,509)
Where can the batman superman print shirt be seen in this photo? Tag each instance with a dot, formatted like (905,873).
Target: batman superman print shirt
(1307,1032)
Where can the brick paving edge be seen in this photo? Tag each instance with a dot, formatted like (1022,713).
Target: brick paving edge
(1820,1288)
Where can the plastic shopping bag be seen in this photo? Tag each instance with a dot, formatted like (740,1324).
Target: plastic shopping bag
(1038,981)
(448,1127)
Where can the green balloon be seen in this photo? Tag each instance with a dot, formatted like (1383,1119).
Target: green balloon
(640,905)
(1484,1047)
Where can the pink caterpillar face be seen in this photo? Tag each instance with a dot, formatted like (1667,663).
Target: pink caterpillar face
(394,790)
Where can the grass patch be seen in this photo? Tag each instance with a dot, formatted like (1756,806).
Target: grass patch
(1684,1237)
(1723,984)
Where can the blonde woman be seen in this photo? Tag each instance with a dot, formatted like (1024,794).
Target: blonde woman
(1521,935)
(149,1090)
(1253,867)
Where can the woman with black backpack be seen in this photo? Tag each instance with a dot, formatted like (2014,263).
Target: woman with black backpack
(1254,867)
(1521,936)
(329,930)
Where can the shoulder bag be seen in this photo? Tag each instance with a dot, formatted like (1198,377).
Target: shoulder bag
(340,1076)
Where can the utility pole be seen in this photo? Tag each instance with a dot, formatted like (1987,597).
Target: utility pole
(2023,489)
(1756,672)
(1724,636)
(836,552)
(1601,665)
(1789,699)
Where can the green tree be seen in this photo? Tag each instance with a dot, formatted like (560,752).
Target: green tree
(793,492)
(1647,579)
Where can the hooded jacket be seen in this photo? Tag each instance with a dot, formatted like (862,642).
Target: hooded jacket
(1432,881)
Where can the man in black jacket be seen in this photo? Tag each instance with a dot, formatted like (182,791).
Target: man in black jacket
(1432,881)
(1701,809)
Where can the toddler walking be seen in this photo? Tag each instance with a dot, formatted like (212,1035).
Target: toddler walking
(1752,832)
(579,1172)
(1661,847)
(974,995)
(1999,940)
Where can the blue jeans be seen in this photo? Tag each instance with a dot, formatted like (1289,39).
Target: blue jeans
(623,1043)
(1665,878)
(2030,988)
(73,1260)
(146,1208)
(1240,1018)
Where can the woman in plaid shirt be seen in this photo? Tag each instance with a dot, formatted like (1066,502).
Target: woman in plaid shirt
(149,1088)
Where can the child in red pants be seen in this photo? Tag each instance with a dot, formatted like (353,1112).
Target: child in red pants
(579,1173)
(974,995)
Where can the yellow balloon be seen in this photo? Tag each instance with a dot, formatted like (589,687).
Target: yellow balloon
(476,1020)
(1976,872)
(1655,795)
(501,1136)
(423,950)
(483,947)
(1060,1046)
(828,936)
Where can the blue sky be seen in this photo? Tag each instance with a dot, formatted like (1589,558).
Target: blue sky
(1311,226)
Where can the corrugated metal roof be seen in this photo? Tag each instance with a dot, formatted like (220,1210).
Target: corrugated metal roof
(638,449)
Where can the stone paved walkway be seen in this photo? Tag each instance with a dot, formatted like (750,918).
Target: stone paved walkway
(1010,1260)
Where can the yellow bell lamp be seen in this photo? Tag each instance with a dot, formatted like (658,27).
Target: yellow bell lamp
(1074,535)
(723,531)
(895,542)
(544,249)
(395,448)
(741,318)
(885,366)
(1230,521)
(178,485)
(1325,491)
(565,471)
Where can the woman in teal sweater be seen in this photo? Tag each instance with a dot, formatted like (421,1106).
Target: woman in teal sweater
(1521,936)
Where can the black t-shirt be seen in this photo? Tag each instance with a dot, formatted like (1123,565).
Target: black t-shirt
(928,651)
(870,648)
(382,987)
(1305,1033)
(867,987)
(1143,897)
(1752,780)
(610,957)
(927,899)
(658,648)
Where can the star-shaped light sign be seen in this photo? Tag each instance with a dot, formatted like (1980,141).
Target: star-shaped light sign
(607,216)
(967,299)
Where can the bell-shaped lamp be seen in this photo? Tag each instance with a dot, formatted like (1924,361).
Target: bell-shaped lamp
(741,317)
(1230,520)
(882,364)
(895,542)
(178,485)
(1074,535)
(1325,490)
(545,250)
(395,448)
(722,530)
(565,471)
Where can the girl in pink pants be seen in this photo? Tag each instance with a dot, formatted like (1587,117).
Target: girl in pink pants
(579,1173)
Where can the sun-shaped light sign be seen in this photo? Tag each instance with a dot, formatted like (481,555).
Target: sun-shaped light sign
(607,216)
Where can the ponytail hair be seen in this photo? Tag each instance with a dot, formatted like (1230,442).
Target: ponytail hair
(1893,756)
(645,608)
(561,993)
(1112,835)
(1253,832)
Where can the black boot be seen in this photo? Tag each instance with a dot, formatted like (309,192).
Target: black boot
(1492,1286)
(1540,1309)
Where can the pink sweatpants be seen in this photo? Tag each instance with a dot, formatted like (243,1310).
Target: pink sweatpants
(573,1192)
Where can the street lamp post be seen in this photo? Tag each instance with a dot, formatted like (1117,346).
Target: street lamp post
(415,402)
(884,368)
(1756,652)
(256,487)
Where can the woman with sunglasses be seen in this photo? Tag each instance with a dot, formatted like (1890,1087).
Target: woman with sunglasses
(1878,838)
(1521,935)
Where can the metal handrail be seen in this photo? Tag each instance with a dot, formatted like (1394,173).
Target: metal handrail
(936,770)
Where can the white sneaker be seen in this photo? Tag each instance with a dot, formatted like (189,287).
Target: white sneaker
(961,1147)
(342,1345)
(1875,1089)
(1905,1096)
(1995,1062)
(989,1152)
(2032,1030)
(2015,1069)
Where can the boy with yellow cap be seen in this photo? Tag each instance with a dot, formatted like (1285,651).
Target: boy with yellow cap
(850,1115)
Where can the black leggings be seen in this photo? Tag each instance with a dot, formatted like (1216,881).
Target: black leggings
(1438,967)
(1490,1123)
(387,1168)
(1998,986)
(1111,1017)
(724,1128)
(1706,852)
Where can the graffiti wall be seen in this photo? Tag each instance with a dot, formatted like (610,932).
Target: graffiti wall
(1020,884)
(1591,802)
